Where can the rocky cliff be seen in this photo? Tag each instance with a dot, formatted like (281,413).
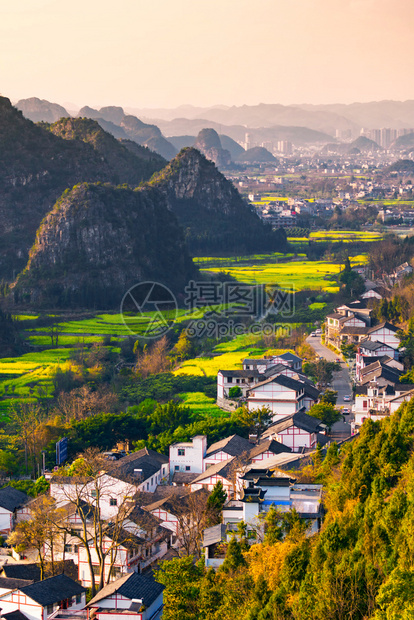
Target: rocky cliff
(97,242)
(114,120)
(208,143)
(213,214)
(37,163)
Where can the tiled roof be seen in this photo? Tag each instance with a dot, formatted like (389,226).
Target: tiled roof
(11,498)
(5,582)
(240,373)
(220,469)
(53,590)
(300,420)
(148,460)
(233,446)
(133,586)
(268,445)
(383,325)
(21,570)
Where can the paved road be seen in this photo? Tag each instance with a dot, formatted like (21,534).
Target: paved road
(341,383)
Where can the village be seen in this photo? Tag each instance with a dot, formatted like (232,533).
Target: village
(113,516)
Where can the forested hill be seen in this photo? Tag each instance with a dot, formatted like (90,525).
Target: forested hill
(360,566)
(36,166)
(214,216)
(100,240)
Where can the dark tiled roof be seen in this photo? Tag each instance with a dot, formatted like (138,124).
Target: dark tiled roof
(373,345)
(358,331)
(281,380)
(11,498)
(240,373)
(233,446)
(132,586)
(53,590)
(21,570)
(14,615)
(220,469)
(5,582)
(385,325)
(289,356)
(183,477)
(300,420)
(148,460)
(335,315)
(268,445)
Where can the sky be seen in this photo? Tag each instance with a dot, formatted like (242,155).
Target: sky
(165,53)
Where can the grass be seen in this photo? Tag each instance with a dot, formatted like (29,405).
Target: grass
(300,275)
(22,376)
(225,355)
(268,269)
(337,236)
(201,404)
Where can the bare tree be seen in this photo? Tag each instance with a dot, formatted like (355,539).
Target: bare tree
(193,516)
(89,493)
(39,532)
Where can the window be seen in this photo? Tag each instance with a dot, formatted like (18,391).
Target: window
(181,452)
(68,548)
(78,598)
(365,404)
(75,548)
(49,609)
(95,570)
(176,468)
(187,468)
(229,379)
(147,486)
(152,481)
(94,493)
(113,501)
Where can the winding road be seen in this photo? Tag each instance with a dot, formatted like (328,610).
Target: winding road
(341,383)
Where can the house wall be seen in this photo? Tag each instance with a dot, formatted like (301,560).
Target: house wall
(6,521)
(192,459)
(210,481)
(386,336)
(281,400)
(296,438)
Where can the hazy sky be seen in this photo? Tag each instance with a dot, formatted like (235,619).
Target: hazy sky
(149,53)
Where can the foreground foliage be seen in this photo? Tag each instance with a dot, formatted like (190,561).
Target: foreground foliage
(359,566)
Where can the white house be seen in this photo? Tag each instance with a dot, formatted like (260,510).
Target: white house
(132,597)
(387,333)
(297,431)
(282,395)
(188,456)
(39,600)
(11,500)
(140,471)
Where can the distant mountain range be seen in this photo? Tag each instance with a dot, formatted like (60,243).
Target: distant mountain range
(324,118)
(68,193)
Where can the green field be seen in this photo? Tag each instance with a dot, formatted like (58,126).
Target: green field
(201,404)
(24,378)
(271,269)
(226,355)
(336,236)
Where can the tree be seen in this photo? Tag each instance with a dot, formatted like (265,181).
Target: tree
(325,412)
(235,392)
(215,503)
(182,579)
(38,532)
(194,515)
(89,487)
(329,397)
